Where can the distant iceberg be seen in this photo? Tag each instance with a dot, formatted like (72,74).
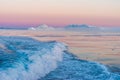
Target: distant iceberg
(82,27)
(77,26)
(42,27)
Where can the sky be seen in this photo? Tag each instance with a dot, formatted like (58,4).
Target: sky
(60,12)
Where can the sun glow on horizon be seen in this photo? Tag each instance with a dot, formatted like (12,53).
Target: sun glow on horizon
(60,12)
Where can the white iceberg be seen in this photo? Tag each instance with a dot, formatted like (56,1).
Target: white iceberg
(42,27)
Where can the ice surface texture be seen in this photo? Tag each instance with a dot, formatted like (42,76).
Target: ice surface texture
(24,58)
(27,59)
(72,68)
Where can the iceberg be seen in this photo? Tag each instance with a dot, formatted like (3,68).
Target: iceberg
(82,27)
(42,27)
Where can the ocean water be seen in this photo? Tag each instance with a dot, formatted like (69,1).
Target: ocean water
(24,58)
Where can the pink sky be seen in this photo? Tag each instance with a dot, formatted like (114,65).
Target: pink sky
(60,12)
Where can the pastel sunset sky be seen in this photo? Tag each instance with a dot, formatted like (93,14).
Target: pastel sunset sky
(60,12)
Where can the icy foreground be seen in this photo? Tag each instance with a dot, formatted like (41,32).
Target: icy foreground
(72,68)
(28,59)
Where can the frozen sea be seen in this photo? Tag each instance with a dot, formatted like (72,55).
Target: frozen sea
(48,56)
(24,58)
